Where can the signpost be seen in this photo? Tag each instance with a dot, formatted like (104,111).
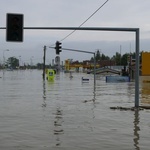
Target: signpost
(57,61)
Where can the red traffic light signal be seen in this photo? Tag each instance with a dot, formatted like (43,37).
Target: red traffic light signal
(14,27)
(58,47)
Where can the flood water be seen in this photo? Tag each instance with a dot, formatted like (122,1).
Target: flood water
(69,115)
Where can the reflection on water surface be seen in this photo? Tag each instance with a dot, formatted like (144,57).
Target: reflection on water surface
(68,114)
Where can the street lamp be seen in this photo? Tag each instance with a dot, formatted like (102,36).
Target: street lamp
(19,61)
(4,57)
(31,62)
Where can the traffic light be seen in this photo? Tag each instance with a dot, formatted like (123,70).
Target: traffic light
(58,47)
(14,27)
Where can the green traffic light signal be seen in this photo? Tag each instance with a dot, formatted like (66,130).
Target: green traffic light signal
(58,47)
(14,28)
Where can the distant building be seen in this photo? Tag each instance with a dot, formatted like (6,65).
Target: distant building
(87,64)
(145,63)
(104,63)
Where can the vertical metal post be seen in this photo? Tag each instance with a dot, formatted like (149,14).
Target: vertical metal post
(44,63)
(89,53)
(120,54)
(4,57)
(137,70)
(94,73)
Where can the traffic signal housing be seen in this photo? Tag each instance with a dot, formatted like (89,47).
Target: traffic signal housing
(14,27)
(58,47)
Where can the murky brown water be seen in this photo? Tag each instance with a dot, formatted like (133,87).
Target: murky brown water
(68,115)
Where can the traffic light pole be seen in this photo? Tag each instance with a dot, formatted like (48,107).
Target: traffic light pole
(81,51)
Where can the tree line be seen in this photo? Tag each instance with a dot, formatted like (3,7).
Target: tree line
(119,59)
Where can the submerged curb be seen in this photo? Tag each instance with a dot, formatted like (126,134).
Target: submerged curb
(130,108)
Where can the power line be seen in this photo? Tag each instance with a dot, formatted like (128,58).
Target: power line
(85,20)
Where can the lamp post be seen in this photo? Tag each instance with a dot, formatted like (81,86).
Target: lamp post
(19,61)
(31,62)
(4,57)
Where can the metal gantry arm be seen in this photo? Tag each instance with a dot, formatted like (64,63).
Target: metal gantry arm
(136,30)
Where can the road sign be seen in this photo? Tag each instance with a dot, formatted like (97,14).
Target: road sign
(57,59)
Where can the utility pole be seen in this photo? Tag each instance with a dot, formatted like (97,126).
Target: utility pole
(44,62)
(120,54)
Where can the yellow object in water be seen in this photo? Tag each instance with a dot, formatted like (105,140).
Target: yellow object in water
(145,63)
(50,74)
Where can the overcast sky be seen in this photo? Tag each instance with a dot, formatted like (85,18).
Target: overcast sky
(72,13)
